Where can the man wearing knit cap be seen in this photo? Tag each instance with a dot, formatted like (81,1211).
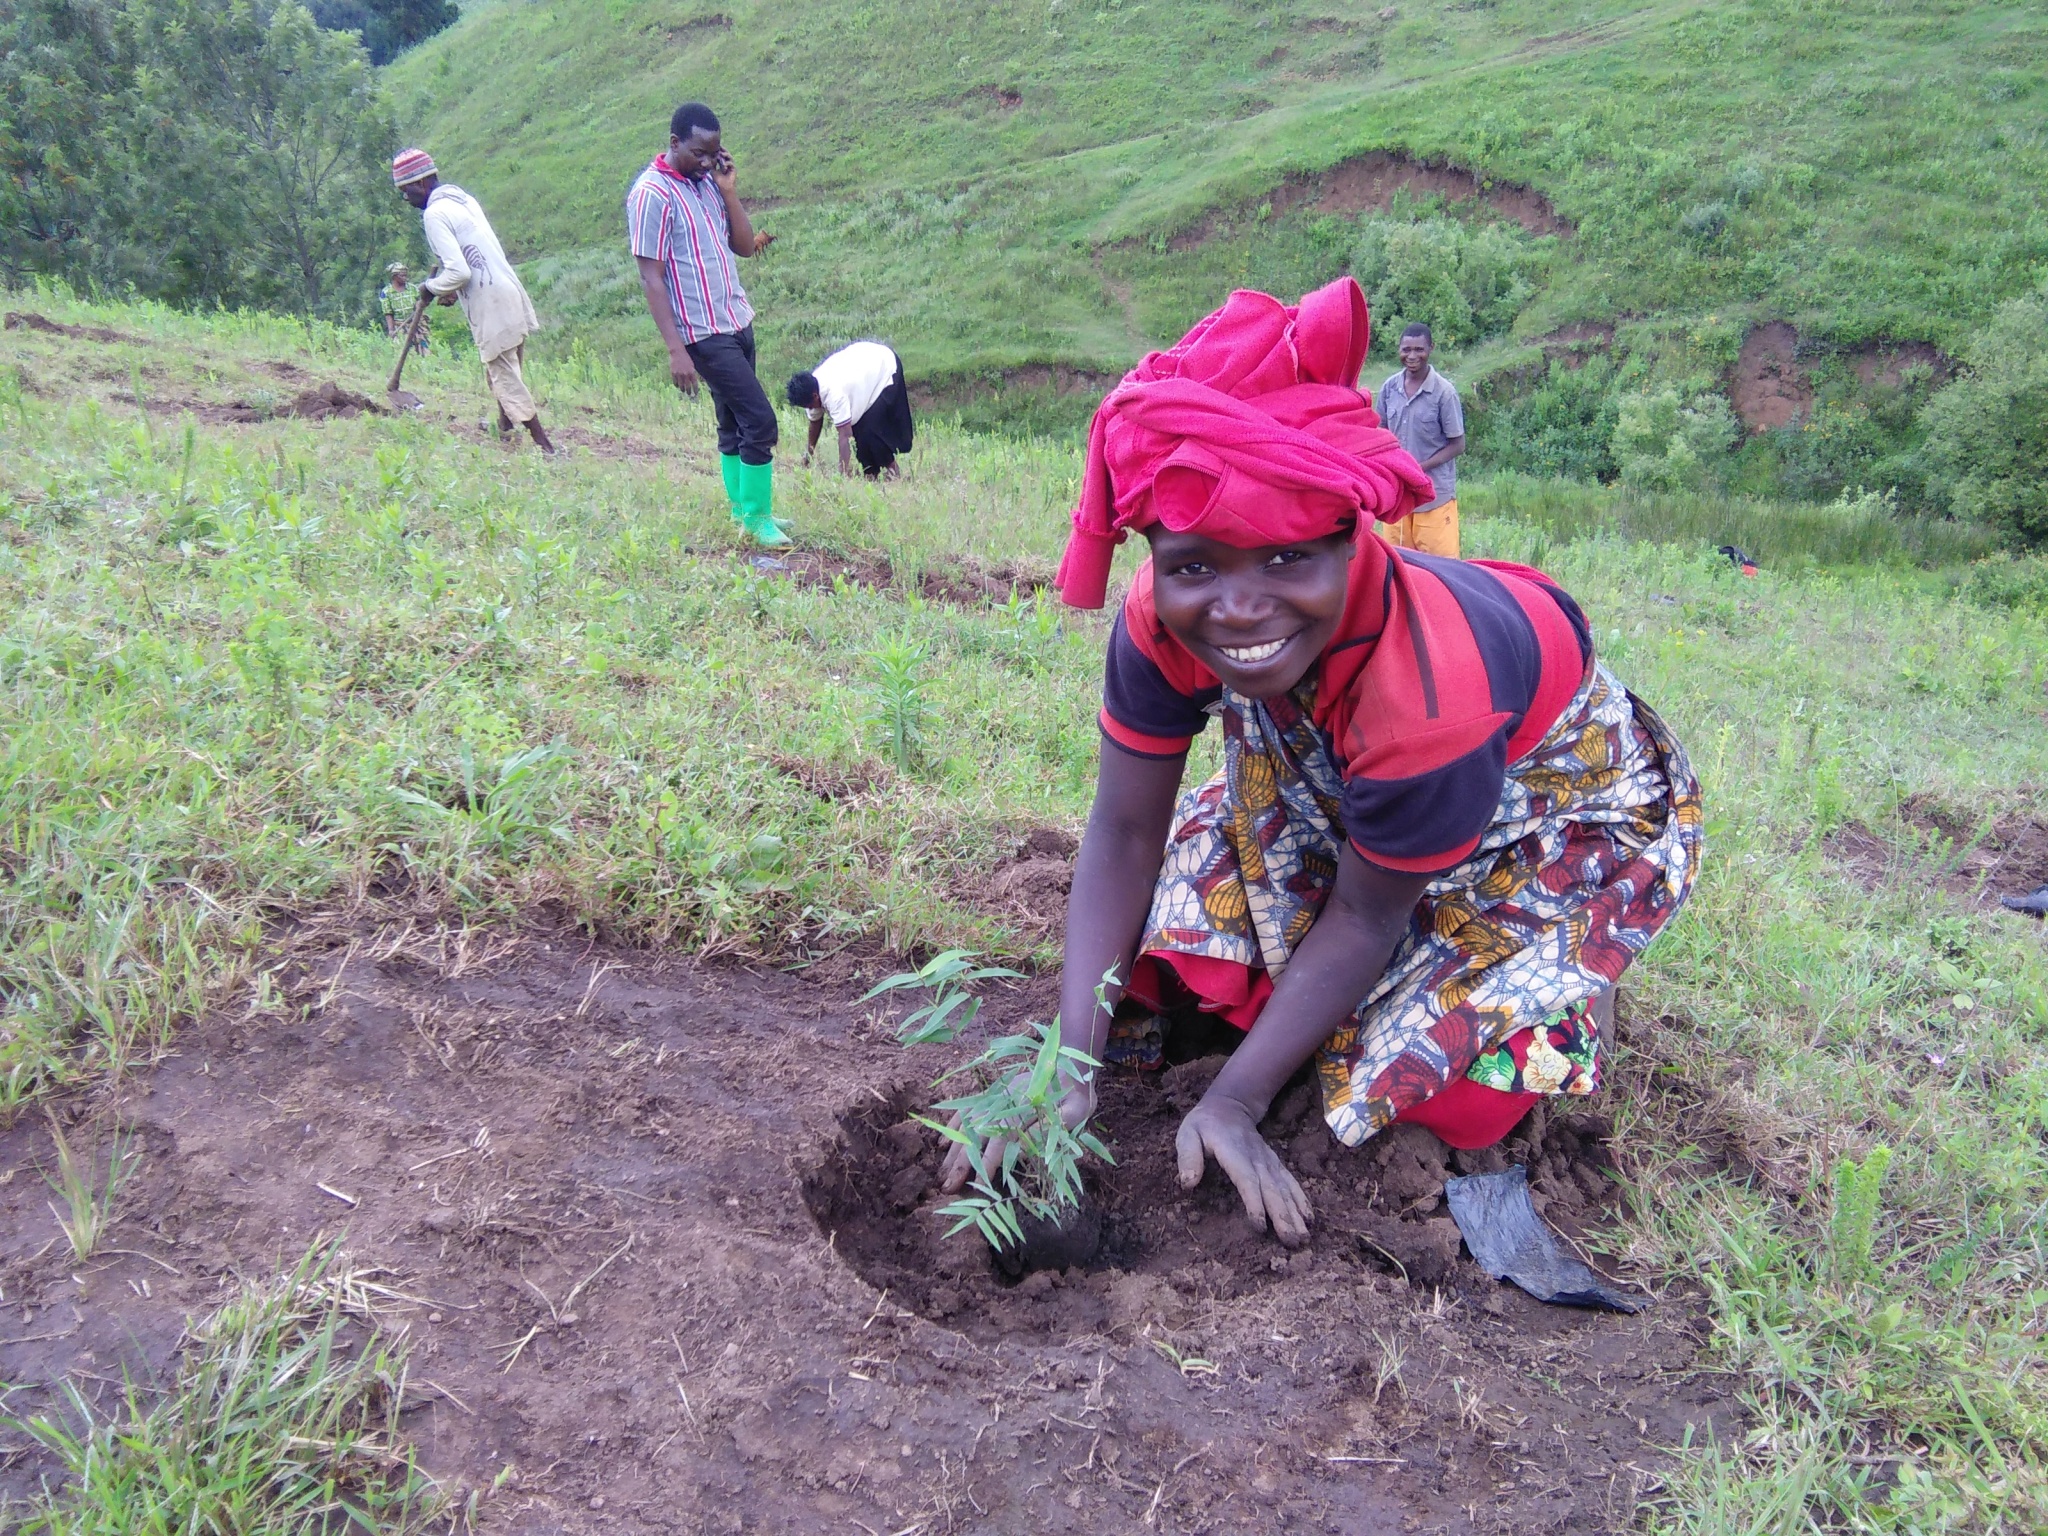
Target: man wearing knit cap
(685,224)
(474,272)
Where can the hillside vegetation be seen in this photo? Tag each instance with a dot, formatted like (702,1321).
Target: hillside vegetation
(1065,182)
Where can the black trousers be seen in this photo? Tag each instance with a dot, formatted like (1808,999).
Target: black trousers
(885,428)
(746,421)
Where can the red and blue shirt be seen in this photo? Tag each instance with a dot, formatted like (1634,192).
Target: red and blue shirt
(1442,673)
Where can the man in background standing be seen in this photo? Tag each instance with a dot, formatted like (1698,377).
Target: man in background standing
(685,224)
(861,388)
(1420,407)
(474,272)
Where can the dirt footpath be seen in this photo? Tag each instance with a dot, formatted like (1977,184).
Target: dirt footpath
(675,1269)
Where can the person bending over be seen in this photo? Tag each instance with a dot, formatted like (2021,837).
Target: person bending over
(1443,828)
(472,270)
(1422,409)
(860,387)
(685,224)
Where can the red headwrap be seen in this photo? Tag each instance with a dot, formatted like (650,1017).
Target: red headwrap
(1252,430)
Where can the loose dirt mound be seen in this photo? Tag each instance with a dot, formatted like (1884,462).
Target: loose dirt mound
(329,399)
(1186,1273)
(1030,887)
(26,320)
(1367,184)
(513,1118)
(321,403)
(1770,388)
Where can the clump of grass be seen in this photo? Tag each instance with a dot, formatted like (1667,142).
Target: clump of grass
(276,1425)
(88,1195)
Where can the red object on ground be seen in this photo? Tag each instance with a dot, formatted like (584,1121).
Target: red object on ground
(1463,1114)
(1251,430)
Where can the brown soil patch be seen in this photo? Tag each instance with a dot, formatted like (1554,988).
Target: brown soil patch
(511,1115)
(1973,860)
(697,28)
(836,786)
(1367,184)
(965,583)
(321,403)
(28,320)
(1976,862)
(1770,388)
(1030,887)
(1883,364)
(1579,338)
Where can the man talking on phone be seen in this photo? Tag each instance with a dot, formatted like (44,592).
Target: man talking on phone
(685,223)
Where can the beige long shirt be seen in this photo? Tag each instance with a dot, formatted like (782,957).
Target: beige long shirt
(475,269)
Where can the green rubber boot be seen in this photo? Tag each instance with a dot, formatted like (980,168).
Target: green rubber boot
(729,468)
(756,506)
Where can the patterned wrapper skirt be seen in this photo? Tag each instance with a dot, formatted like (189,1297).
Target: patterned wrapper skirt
(1591,851)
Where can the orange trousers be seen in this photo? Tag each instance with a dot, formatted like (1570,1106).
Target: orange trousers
(1434,532)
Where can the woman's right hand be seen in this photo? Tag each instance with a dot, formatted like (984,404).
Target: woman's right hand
(1076,1109)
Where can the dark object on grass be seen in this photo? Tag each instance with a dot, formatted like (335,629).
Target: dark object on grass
(2034,903)
(1063,1244)
(1738,559)
(1500,1225)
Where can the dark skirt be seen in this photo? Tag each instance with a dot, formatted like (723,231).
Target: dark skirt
(884,429)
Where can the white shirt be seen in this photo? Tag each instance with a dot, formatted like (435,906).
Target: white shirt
(474,267)
(852,379)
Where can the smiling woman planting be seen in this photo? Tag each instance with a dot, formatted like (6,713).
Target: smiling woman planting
(1442,830)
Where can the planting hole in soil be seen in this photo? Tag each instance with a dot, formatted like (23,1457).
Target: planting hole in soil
(1380,1216)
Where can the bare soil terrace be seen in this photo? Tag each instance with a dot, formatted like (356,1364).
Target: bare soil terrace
(676,1268)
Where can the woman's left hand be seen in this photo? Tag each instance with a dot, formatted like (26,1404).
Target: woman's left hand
(1224,1129)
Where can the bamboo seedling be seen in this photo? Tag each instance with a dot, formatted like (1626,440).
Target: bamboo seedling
(952,1009)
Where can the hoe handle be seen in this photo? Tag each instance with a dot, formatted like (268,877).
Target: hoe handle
(412,332)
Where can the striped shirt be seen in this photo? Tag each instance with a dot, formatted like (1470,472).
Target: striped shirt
(680,221)
(1441,674)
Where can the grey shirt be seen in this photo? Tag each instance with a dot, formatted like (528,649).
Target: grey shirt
(1425,422)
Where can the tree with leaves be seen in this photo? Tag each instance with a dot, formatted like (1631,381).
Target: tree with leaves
(202,152)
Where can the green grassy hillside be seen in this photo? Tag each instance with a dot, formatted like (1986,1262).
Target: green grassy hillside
(1066,181)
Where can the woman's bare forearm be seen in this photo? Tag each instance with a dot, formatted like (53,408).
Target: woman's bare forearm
(1114,874)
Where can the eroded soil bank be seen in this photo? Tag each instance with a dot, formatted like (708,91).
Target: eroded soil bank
(779,1341)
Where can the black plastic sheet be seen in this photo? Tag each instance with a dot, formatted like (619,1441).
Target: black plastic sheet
(1510,1242)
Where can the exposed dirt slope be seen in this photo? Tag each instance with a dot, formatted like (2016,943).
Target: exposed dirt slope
(514,1119)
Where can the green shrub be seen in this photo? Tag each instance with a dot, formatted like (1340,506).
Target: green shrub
(1989,429)
(2018,584)
(1664,441)
(1564,427)
(1464,281)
